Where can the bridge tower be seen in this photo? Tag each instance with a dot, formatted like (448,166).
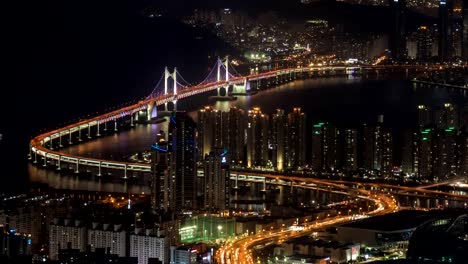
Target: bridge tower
(173,75)
(222,63)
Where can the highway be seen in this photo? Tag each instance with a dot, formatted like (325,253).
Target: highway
(421,191)
(239,249)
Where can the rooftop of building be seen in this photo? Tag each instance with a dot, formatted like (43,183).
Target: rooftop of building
(402,220)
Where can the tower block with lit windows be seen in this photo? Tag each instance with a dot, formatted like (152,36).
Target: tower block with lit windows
(398,34)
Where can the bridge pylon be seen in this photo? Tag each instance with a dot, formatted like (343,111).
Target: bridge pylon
(167,75)
(222,63)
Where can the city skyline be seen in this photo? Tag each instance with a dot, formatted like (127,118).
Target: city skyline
(223,132)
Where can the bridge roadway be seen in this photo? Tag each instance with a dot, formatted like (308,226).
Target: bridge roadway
(389,188)
(38,144)
(239,249)
(39,149)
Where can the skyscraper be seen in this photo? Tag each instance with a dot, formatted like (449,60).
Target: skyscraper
(209,130)
(221,129)
(217,179)
(386,166)
(424,44)
(324,146)
(350,149)
(279,139)
(445,30)
(398,33)
(257,138)
(409,152)
(424,158)
(444,154)
(182,130)
(465,30)
(235,137)
(378,149)
(296,133)
(372,155)
(424,116)
(162,180)
(462,153)
(447,117)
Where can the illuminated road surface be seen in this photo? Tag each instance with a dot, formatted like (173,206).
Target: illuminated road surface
(239,250)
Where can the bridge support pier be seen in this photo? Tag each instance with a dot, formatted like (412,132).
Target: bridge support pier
(131,120)
(149,111)
(125,172)
(115,125)
(77,169)
(51,143)
(263,185)
(45,160)
(137,116)
(70,137)
(89,131)
(30,153)
(236,186)
(99,169)
(98,132)
(58,163)
(79,134)
(105,126)
(175,105)
(60,141)
(35,157)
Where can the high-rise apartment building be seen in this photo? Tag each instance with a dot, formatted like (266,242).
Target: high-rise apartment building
(465,30)
(162,180)
(182,144)
(445,30)
(324,146)
(423,44)
(398,34)
(66,233)
(296,132)
(350,149)
(109,237)
(257,138)
(217,179)
(146,245)
(279,140)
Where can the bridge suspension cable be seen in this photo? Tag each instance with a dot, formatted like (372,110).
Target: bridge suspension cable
(211,77)
(184,82)
(231,67)
(157,90)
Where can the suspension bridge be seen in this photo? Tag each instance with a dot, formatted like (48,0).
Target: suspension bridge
(170,88)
